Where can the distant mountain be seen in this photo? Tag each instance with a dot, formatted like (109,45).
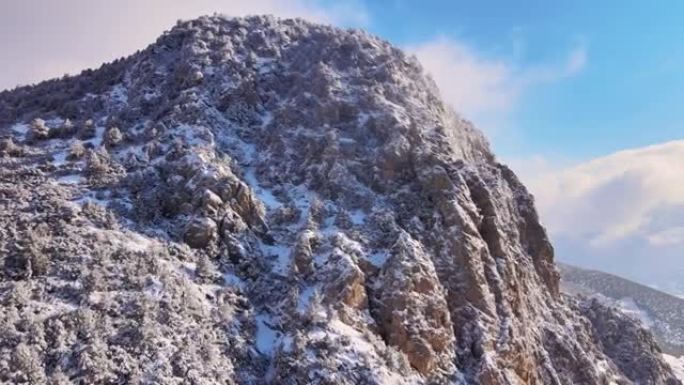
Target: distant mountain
(661,312)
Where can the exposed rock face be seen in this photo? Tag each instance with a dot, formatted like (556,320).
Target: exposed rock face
(199,232)
(411,308)
(281,202)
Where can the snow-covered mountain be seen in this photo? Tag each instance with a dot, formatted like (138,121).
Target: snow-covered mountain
(662,313)
(254,201)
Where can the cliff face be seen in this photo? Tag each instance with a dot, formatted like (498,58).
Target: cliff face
(271,201)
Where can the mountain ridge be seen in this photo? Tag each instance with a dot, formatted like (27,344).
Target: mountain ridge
(661,312)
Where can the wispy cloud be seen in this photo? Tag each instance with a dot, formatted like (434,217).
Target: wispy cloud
(574,63)
(478,85)
(45,39)
(470,82)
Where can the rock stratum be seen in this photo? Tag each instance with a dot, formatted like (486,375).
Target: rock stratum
(265,201)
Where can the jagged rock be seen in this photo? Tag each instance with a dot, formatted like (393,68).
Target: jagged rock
(346,282)
(199,232)
(303,252)
(411,309)
(211,203)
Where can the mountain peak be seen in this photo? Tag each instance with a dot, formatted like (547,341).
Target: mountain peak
(273,201)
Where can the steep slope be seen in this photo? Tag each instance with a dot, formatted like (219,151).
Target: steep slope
(662,313)
(271,201)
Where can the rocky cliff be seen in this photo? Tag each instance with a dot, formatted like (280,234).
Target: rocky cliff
(257,200)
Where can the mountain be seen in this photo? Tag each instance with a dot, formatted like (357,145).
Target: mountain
(255,201)
(662,313)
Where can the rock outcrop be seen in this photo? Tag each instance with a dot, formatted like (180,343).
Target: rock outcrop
(257,201)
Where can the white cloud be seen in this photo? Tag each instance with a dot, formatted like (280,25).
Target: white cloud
(619,193)
(44,39)
(477,85)
(668,237)
(471,83)
(623,212)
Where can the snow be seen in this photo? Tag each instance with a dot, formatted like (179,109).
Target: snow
(266,118)
(191,135)
(137,242)
(70,179)
(358,349)
(81,201)
(360,343)
(266,337)
(264,64)
(59,158)
(283,257)
(119,94)
(123,239)
(287,342)
(677,365)
(378,258)
(629,306)
(155,289)
(264,195)
(99,136)
(602,367)
(20,130)
(358,217)
(233,280)
(305,299)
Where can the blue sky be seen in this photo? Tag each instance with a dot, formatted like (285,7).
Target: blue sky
(629,93)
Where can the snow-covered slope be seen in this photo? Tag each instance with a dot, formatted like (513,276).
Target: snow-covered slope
(662,313)
(677,365)
(271,201)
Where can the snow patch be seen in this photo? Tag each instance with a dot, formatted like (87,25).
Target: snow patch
(20,130)
(70,179)
(305,299)
(281,265)
(97,140)
(358,217)
(231,279)
(378,258)
(629,306)
(677,365)
(266,337)
(59,158)
(265,195)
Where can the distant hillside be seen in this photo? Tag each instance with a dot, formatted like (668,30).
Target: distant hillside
(661,312)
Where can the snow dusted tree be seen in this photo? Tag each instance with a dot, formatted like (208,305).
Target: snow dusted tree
(113,136)
(206,270)
(88,130)
(76,151)
(38,130)
(26,362)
